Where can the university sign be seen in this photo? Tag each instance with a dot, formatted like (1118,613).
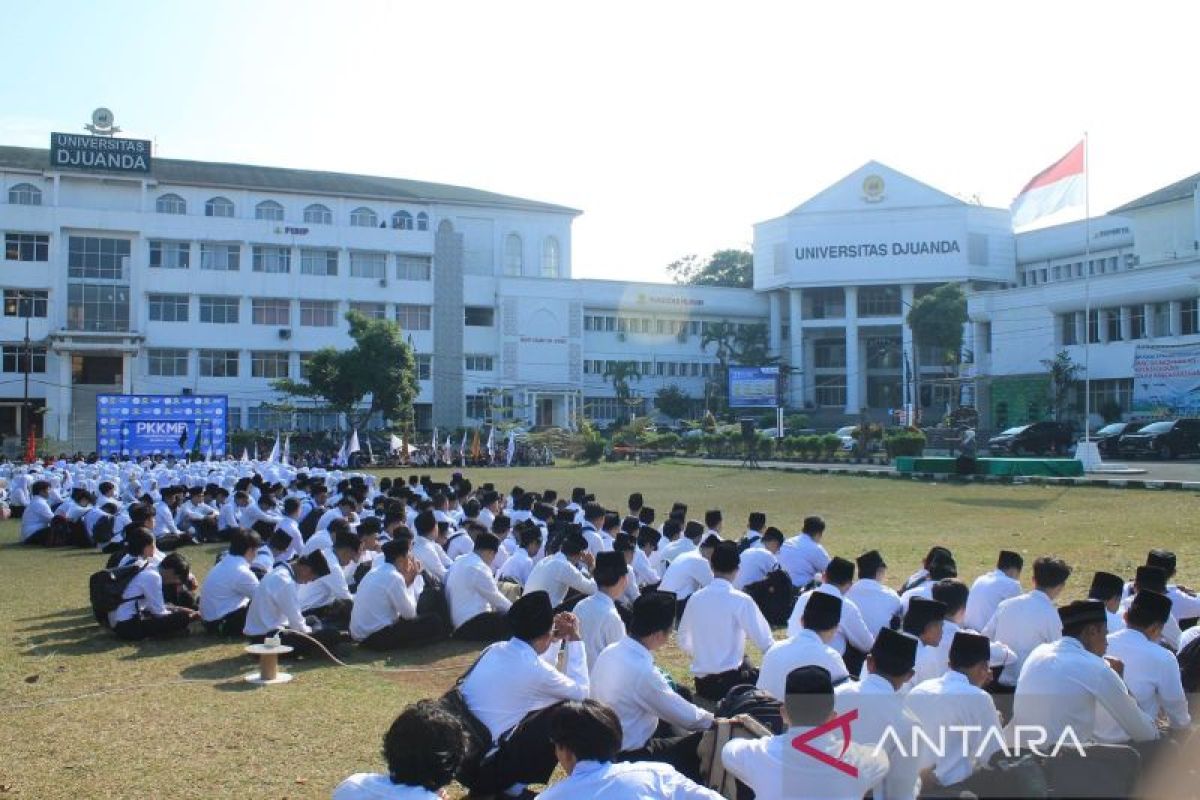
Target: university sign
(878,249)
(99,153)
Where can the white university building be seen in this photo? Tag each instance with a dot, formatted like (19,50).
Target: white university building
(178,277)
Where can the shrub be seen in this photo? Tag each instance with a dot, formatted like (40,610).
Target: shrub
(904,442)
(691,444)
(666,441)
(808,446)
(795,422)
(829,444)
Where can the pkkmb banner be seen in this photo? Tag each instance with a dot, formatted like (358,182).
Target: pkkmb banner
(133,425)
(1166,379)
(753,387)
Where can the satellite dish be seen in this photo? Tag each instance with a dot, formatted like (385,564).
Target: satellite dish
(102,118)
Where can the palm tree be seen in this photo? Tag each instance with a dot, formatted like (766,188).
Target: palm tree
(620,373)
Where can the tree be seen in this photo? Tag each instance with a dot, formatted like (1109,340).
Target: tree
(379,365)
(673,401)
(1064,375)
(937,320)
(723,268)
(620,373)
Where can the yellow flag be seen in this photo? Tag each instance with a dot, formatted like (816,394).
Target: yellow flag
(475,445)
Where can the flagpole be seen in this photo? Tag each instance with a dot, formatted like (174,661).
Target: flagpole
(1087,301)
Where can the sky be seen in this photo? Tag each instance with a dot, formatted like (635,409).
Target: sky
(674,126)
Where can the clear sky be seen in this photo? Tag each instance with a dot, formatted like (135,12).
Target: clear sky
(674,126)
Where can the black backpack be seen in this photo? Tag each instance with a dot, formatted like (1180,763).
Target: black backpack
(774,595)
(1189,666)
(102,531)
(746,699)
(745,543)
(308,525)
(106,587)
(432,599)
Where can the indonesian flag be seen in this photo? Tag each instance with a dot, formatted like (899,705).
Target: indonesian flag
(1058,186)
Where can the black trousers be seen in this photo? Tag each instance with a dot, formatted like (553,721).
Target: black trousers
(303,645)
(231,624)
(180,595)
(38,537)
(134,630)
(205,530)
(715,687)
(570,601)
(225,534)
(173,542)
(681,752)
(525,755)
(406,632)
(336,614)
(490,626)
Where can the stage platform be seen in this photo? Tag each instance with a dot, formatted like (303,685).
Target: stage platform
(1017,467)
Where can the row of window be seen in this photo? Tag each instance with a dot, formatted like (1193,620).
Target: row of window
(270,210)
(602,323)
(223,310)
(173,362)
(1033,276)
(1130,323)
(277,259)
(665,369)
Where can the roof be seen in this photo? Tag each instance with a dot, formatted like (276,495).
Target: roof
(249,176)
(1180,190)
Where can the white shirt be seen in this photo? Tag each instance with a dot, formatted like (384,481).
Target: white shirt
(803,558)
(773,768)
(802,650)
(227,587)
(625,678)
(880,708)
(1062,684)
(36,517)
(143,594)
(1152,677)
(511,681)
(877,603)
(1023,622)
(471,590)
(987,593)
(555,575)
(643,780)
(1171,634)
(973,709)
(643,571)
(383,597)
(328,588)
(292,527)
(276,604)
(164,520)
(599,624)
(757,562)
(851,627)
(933,662)
(517,567)
(715,624)
(432,557)
(458,545)
(673,550)
(228,517)
(329,516)
(373,786)
(318,541)
(920,590)
(686,574)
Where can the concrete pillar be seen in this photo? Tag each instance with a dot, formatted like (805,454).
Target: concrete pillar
(63,407)
(773,322)
(854,374)
(1148,321)
(1126,319)
(127,365)
(906,346)
(1176,318)
(797,380)
(1080,327)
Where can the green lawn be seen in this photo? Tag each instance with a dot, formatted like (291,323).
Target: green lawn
(178,721)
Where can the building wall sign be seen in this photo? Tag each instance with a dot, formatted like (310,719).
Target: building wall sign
(877,249)
(668,300)
(99,153)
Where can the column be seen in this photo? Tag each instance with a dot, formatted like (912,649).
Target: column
(1081,330)
(906,348)
(1126,323)
(854,375)
(1149,331)
(127,363)
(1176,318)
(63,408)
(773,312)
(797,380)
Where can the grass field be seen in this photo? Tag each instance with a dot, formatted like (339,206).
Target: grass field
(175,720)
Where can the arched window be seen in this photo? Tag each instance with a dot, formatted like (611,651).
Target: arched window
(514,255)
(269,210)
(317,214)
(218,207)
(170,204)
(550,257)
(363,217)
(25,194)
(422,221)
(402,221)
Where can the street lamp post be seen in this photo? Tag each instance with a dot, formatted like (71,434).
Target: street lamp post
(24,303)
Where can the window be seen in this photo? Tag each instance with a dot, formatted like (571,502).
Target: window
(829,353)
(268,311)
(422,221)
(514,255)
(14,359)
(477,363)
(830,390)
(97,307)
(368,265)
(267,418)
(413,318)
(883,391)
(550,258)
(370,310)
(413,268)
(1137,322)
(1067,323)
(402,221)
(1111,391)
(221,257)
(271,258)
(879,301)
(478,406)
(96,258)
(826,303)
(1162,319)
(318,313)
(218,207)
(167,362)
(1112,317)
(317,214)
(219,310)
(883,353)
(170,204)
(363,217)
(26,247)
(170,255)
(269,210)
(1189,319)
(479,316)
(424,366)
(1093,326)
(268,364)
(168,308)
(25,302)
(318,420)
(218,363)
(25,194)
(318,262)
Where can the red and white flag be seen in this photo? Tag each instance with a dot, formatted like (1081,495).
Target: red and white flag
(1058,186)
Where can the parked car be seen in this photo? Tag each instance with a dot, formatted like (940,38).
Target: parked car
(1108,437)
(1038,438)
(846,434)
(1165,439)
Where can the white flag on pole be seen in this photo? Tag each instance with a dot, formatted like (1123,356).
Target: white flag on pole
(245,456)
(491,444)
(340,458)
(287,449)
(447,450)
(462,448)
(395,443)
(274,454)
(256,449)
(353,447)
(511,450)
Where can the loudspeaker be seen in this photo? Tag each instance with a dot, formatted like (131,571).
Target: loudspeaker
(747,428)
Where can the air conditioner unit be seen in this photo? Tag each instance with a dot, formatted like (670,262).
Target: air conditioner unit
(1131,260)
(382,282)
(185,390)
(285,333)
(621,336)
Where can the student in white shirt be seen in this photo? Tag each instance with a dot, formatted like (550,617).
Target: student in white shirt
(674,545)
(599,622)
(197,517)
(773,768)
(920,576)
(513,688)
(289,521)
(760,557)
(940,568)
(853,638)
(690,571)
(423,749)
(925,620)
(426,548)
(384,615)
(879,604)
(228,519)
(142,613)
(586,737)
(1154,579)
(991,589)
(803,556)
(477,607)
(593,521)
(228,587)
(755,525)
(1028,620)
(329,597)
(37,516)
(715,625)
(643,558)
(1184,602)
(810,646)
(1107,588)
(519,564)
(275,607)
(559,575)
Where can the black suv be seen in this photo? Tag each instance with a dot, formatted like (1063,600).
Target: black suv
(1107,438)
(1038,438)
(1164,440)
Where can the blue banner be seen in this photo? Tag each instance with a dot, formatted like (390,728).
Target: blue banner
(134,425)
(1166,380)
(753,387)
